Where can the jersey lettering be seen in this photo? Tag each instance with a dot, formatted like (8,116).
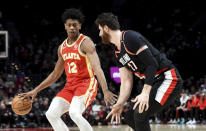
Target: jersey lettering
(72,67)
(132,65)
(124,59)
(71,56)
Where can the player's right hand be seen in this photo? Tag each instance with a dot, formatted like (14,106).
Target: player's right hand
(31,93)
(109,97)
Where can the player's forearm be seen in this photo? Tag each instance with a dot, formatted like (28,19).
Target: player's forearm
(125,91)
(101,79)
(47,82)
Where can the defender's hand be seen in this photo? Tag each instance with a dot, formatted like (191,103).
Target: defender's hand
(115,113)
(143,101)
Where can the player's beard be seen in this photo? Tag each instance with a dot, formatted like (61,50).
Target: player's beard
(106,38)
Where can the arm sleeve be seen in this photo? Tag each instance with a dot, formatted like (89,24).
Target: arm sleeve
(151,65)
(133,41)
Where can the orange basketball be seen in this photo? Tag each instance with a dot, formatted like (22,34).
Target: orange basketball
(21,106)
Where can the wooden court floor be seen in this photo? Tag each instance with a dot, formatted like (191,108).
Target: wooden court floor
(154,127)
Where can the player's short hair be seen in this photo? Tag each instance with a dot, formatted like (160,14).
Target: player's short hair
(73,13)
(108,19)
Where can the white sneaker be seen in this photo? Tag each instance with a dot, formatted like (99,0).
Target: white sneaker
(170,122)
(157,121)
(189,122)
(150,121)
(174,122)
(193,122)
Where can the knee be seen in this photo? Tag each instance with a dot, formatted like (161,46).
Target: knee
(74,114)
(51,114)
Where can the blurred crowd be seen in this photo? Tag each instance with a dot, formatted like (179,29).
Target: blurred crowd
(179,35)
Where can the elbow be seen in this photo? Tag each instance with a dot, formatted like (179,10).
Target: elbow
(155,65)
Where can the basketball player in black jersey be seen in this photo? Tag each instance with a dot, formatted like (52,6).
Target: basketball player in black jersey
(135,54)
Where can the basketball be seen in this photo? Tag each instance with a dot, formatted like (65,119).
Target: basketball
(21,106)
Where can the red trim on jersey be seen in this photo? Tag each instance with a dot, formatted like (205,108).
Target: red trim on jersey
(160,71)
(125,46)
(171,87)
(157,73)
(128,50)
(138,73)
(115,54)
(118,51)
(80,39)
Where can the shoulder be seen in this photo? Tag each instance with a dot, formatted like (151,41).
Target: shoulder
(59,51)
(61,46)
(133,41)
(87,45)
(132,35)
(87,39)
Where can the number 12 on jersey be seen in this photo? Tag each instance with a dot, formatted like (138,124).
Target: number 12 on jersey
(72,67)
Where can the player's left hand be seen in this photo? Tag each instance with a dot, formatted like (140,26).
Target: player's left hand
(143,101)
(115,112)
(109,97)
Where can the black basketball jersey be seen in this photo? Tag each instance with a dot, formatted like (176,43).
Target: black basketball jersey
(131,41)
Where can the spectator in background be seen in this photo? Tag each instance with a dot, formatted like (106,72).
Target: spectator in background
(102,116)
(6,118)
(189,110)
(96,108)
(194,107)
(181,110)
(201,110)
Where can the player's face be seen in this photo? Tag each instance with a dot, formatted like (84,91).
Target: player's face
(72,27)
(104,35)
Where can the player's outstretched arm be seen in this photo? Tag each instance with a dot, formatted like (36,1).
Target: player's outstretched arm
(88,47)
(126,85)
(125,91)
(53,77)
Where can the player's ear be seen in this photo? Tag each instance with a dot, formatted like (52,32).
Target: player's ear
(65,26)
(106,28)
(80,26)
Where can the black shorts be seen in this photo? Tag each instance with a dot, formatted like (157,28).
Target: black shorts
(167,87)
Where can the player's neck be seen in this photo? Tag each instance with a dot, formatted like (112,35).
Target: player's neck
(72,39)
(115,38)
